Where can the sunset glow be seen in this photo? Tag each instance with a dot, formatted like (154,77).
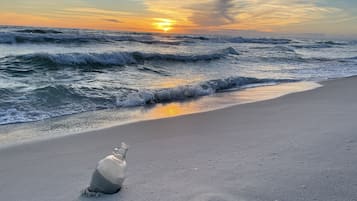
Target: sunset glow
(282,16)
(163,24)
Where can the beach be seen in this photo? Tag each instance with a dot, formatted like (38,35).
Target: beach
(301,146)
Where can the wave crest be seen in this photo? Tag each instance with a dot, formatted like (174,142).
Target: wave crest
(144,97)
(59,100)
(117,58)
(53,36)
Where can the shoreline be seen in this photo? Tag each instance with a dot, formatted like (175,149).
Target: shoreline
(301,146)
(63,126)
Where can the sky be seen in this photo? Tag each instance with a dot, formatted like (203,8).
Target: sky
(331,17)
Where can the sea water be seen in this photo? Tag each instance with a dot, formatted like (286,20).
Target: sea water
(48,73)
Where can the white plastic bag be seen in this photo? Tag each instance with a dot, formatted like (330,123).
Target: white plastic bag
(109,174)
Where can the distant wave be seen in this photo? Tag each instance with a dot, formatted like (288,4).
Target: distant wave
(331,43)
(299,59)
(65,36)
(258,40)
(59,100)
(192,37)
(39,31)
(314,46)
(277,48)
(52,36)
(18,35)
(295,58)
(348,59)
(228,39)
(115,58)
(352,42)
(352,58)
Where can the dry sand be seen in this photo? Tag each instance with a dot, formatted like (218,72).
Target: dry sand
(301,146)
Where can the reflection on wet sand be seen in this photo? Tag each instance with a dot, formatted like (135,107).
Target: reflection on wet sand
(222,100)
(10,134)
(169,110)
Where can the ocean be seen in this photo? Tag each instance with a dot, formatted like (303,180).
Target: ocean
(47,73)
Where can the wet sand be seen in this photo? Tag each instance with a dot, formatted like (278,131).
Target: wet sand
(301,146)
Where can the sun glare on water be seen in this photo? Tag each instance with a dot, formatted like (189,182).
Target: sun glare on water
(163,24)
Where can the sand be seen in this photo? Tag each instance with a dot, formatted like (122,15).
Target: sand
(301,146)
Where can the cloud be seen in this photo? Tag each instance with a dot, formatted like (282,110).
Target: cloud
(263,15)
(134,6)
(95,11)
(215,13)
(112,20)
(189,16)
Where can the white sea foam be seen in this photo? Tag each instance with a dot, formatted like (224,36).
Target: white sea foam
(120,58)
(144,97)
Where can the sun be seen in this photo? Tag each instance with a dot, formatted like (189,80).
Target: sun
(163,24)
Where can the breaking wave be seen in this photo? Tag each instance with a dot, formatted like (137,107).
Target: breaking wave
(115,58)
(59,100)
(144,97)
